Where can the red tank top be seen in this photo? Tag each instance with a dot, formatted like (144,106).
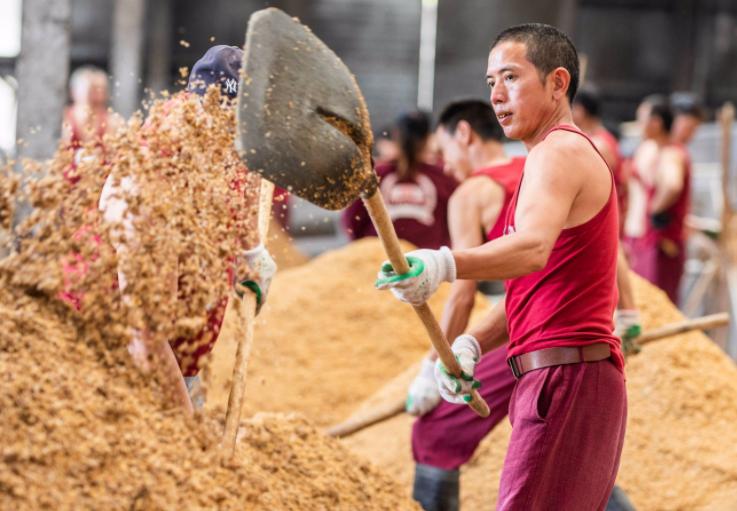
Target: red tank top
(676,229)
(571,301)
(507,176)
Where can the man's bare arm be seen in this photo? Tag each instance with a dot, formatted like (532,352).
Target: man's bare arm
(670,180)
(491,332)
(465,219)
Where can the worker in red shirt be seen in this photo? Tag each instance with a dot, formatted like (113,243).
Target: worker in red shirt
(445,436)
(559,257)
(179,359)
(586,111)
(415,190)
(88,119)
(660,189)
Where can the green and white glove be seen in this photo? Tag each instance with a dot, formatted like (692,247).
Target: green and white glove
(423,393)
(428,269)
(627,327)
(262,268)
(458,390)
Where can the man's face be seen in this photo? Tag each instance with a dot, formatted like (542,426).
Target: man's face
(520,99)
(684,128)
(97,93)
(650,125)
(454,153)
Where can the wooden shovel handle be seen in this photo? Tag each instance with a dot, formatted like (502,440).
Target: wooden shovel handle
(380,217)
(702,323)
(246,310)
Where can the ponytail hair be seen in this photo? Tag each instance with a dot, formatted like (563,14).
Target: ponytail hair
(410,132)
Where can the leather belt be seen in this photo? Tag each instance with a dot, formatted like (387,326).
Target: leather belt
(557,356)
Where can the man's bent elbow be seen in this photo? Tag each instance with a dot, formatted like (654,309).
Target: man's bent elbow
(538,254)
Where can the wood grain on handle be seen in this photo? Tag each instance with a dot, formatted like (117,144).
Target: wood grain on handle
(380,217)
(246,313)
(702,323)
(374,416)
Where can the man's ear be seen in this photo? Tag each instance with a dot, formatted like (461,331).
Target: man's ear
(561,80)
(463,132)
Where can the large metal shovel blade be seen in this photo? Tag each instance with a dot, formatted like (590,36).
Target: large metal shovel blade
(302,120)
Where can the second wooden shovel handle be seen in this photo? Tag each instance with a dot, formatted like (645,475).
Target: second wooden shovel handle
(387,234)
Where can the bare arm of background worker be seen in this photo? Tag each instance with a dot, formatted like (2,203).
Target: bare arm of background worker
(491,331)
(466,221)
(624,284)
(555,173)
(670,180)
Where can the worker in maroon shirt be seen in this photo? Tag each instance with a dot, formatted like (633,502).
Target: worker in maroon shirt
(586,111)
(415,190)
(660,188)
(559,257)
(445,436)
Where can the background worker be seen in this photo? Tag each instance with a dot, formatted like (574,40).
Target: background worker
(655,232)
(88,119)
(586,111)
(688,115)
(559,254)
(445,436)
(179,359)
(414,188)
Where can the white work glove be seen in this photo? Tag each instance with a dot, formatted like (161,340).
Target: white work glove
(428,269)
(423,393)
(458,390)
(262,268)
(627,327)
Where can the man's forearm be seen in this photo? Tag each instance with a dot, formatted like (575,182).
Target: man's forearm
(458,308)
(491,331)
(503,258)
(664,199)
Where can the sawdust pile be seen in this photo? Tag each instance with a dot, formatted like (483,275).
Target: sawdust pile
(82,427)
(326,339)
(681,439)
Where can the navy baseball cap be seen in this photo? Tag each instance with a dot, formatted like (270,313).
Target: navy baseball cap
(220,64)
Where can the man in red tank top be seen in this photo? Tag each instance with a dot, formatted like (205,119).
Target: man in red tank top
(445,436)
(655,232)
(586,112)
(559,256)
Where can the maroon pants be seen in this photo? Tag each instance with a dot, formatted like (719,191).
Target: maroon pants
(447,436)
(648,258)
(568,427)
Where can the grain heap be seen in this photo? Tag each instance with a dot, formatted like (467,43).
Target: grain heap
(326,339)
(681,440)
(82,428)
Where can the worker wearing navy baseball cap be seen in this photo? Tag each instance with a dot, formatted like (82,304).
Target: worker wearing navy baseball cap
(183,356)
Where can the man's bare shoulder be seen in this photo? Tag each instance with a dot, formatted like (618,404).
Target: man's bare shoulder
(560,150)
(476,189)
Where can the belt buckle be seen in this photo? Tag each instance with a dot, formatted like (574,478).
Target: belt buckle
(513,366)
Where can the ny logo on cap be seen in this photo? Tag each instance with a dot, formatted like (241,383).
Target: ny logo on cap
(231,86)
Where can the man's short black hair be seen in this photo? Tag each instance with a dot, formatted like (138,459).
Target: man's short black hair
(589,99)
(660,108)
(687,103)
(478,114)
(547,48)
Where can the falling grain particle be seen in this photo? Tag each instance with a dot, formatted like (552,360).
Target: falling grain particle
(184,43)
(212,38)
(184,71)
